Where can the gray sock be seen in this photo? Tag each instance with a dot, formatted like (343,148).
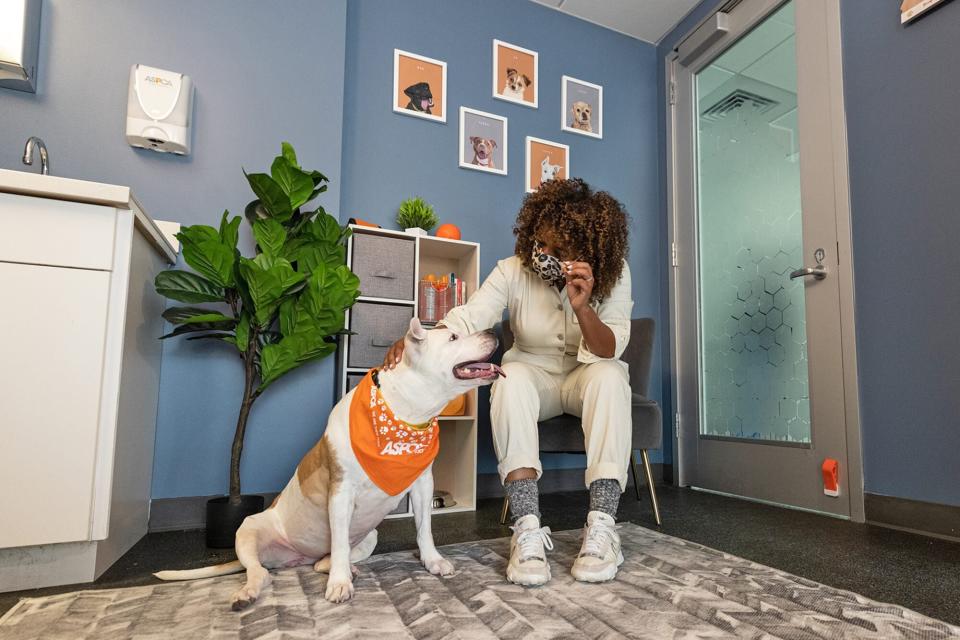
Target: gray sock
(524,497)
(605,496)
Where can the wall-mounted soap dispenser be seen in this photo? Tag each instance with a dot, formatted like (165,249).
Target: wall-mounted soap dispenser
(19,44)
(159,110)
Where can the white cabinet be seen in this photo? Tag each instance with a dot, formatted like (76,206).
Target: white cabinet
(79,376)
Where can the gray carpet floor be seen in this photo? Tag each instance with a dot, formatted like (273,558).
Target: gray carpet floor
(667,588)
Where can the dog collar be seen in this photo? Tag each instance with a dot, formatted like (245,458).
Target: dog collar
(423,426)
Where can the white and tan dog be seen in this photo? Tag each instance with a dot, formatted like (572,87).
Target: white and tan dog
(515,85)
(329,511)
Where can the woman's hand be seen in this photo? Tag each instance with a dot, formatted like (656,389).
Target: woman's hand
(394,353)
(579,278)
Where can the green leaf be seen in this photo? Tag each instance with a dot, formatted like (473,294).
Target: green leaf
(185,286)
(204,250)
(309,256)
(268,280)
(288,354)
(193,315)
(243,332)
(294,182)
(225,337)
(318,177)
(255,211)
(229,230)
(272,196)
(270,235)
(326,228)
(286,149)
(202,326)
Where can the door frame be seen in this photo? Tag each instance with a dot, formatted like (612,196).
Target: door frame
(829,12)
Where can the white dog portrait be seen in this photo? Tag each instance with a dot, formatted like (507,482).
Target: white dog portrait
(581,108)
(545,161)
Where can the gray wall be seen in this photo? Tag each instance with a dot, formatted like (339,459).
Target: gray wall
(901,90)
(262,75)
(388,157)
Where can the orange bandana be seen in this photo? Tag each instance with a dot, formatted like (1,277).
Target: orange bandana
(393,453)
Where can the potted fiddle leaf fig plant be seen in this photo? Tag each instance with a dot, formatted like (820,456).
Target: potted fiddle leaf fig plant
(280,308)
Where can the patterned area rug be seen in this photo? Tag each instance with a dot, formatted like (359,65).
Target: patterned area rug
(667,588)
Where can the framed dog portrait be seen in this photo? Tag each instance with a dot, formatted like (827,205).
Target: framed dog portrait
(545,161)
(515,74)
(419,86)
(581,107)
(483,141)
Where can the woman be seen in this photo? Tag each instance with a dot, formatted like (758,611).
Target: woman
(567,289)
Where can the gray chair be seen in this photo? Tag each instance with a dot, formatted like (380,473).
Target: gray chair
(564,434)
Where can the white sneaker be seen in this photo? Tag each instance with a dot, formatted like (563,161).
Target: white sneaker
(600,553)
(528,557)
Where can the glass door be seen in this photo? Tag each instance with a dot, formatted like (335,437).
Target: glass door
(753,345)
(761,402)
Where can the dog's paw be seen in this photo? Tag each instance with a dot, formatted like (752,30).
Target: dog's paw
(322,565)
(242,599)
(438,566)
(339,590)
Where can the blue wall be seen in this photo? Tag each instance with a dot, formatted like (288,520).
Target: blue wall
(902,90)
(388,157)
(262,75)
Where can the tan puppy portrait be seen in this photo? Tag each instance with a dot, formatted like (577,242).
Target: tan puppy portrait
(580,112)
(515,84)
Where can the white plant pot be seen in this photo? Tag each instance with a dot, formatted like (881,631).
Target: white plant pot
(417,231)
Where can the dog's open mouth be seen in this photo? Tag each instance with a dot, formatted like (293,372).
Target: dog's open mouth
(477,370)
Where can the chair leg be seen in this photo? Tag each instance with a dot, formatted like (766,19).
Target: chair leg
(636,476)
(506,507)
(653,491)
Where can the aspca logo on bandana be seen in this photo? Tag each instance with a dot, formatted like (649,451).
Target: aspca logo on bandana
(402,448)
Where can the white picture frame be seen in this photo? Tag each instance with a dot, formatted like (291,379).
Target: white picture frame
(397,98)
(498,83)
(470,121)
(593,95)
(533,145)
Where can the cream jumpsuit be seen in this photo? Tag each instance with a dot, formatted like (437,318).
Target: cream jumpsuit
(549,370)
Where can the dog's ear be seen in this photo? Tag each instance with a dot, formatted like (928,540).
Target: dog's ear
(511,72)
(545,162)
(474,139)
(493,142)
(527,80)
(416,333)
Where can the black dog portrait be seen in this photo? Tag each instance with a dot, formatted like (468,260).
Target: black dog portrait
(421,99)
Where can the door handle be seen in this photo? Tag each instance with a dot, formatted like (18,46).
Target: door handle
(819,272)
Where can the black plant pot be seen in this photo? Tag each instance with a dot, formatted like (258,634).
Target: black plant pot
(223,519)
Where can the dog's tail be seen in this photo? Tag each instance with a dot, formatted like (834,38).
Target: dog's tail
(206,572)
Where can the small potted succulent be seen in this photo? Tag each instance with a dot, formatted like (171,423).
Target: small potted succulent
(416,216)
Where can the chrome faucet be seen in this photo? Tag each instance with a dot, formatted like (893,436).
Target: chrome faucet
(33,141)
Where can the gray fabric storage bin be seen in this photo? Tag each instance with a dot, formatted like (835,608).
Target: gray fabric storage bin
(377,326)
(353,379)
(385,265)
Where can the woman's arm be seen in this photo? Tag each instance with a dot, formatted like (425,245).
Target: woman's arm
(605,331)
(481,311)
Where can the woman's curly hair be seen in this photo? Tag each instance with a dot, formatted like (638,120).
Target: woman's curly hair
(591,224)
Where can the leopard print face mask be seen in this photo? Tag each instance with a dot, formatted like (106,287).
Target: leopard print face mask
(546,266)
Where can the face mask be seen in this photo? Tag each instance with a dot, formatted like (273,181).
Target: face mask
(546,266)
